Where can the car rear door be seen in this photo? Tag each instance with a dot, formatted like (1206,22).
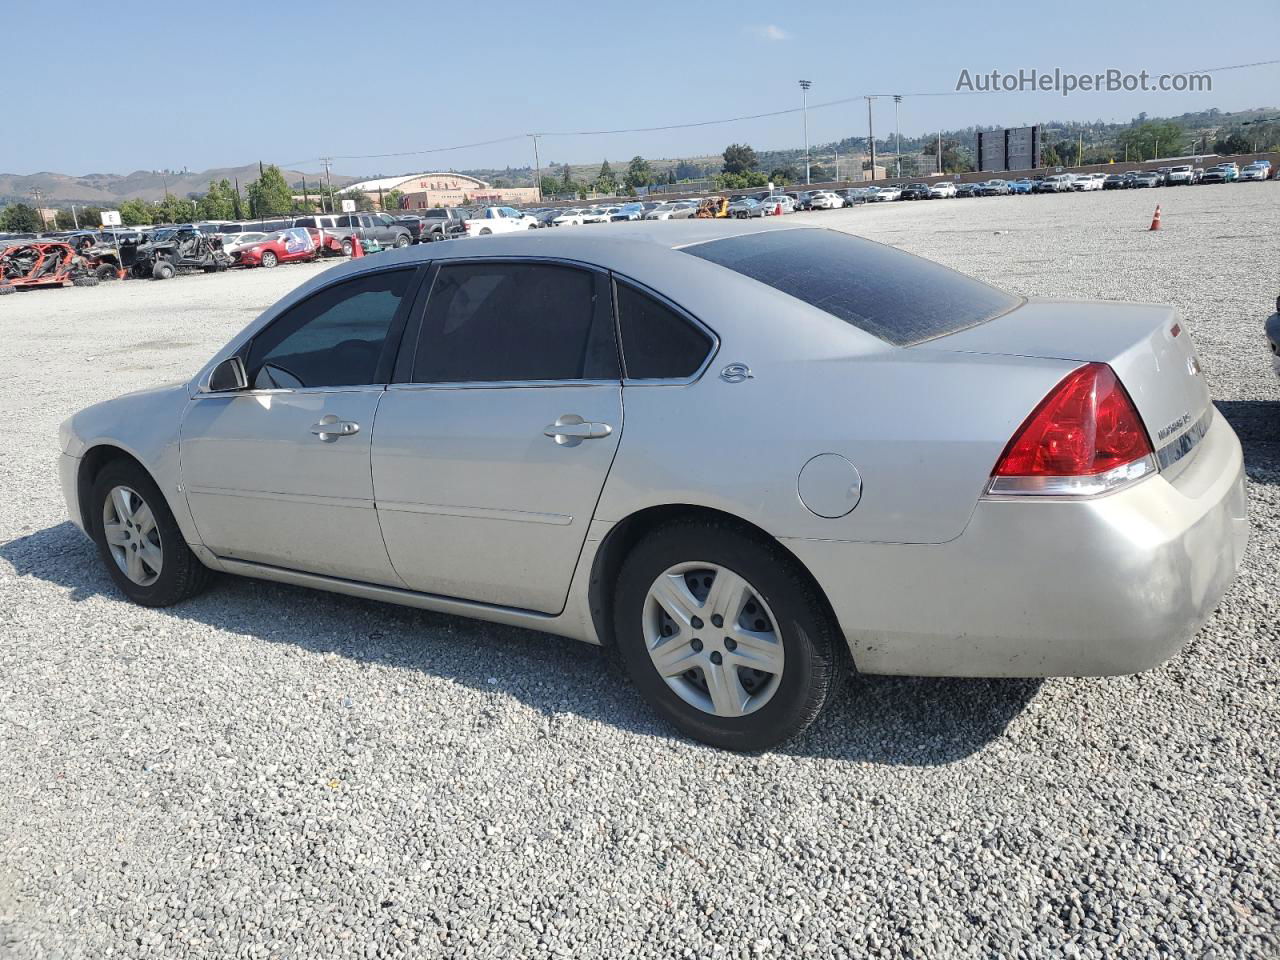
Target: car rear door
(491,449)
(278,473)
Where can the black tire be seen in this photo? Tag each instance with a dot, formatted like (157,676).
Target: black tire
(403,240)
(6,289)
(347,248)
(269,259)
(85,282)
(105,272)
(182,575)
(815,655)
(163,270)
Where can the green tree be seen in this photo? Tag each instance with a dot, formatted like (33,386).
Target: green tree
(819,173)
(639,173)
(566,176)
(175,210)
(688,171)
(136,213)
(954,158)
(738,158)
(1234,142)
(361,198)
(218,203)
(1049,156)
(551,187)
(606,182)
(783,175)
(392,200)
(1147,140)
(269,195)
(19,218)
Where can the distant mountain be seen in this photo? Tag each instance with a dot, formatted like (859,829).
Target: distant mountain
(110,188)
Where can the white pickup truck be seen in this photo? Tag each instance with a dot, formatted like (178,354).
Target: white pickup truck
(489,220)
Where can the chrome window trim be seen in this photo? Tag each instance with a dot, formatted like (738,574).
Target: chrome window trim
(501,384)
(277,391)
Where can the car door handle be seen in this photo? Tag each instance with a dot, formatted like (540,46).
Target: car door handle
(330,428)
(570,430)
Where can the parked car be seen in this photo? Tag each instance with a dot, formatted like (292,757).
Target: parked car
(735,570)
(1115,181)
(1145,178)
(916,191)
(546,218)
(183,249)
(662,211)
(232,243)
(1181,175)
(572,217)
(339,228)
(441,223)
(1088,181)
(746,208)
(825,200)
(1258,170)
(968,189)
(491,220)
(628,211)
(288,246)
(597,214)
(802,198)
(1215,174)
(855,195)
(1272,330)
(1021,186)
(993,188)
(781,200)
(887,194)
(685,209)
(27,264)
(1058,183)
(943,189)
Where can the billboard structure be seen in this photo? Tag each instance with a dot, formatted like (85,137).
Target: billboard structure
(1017,148)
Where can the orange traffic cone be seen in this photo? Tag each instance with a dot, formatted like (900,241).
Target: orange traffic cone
(1155,221)
(777,210)
(357,248)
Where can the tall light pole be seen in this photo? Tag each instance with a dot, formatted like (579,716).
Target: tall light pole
(897,99)
(871,139)
(804,96)
(537,166)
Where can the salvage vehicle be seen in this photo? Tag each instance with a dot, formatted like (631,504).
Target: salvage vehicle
(26,264)
(712,208)
(181,249)
(1010,487)
(288,246)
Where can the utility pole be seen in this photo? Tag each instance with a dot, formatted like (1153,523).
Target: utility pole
(897,99)
(804,99)
(37,196)
(837,161)
(871,138)
(940,170)
(74,219)
(537,166)
(327,162)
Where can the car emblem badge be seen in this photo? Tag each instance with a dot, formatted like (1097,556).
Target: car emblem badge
(736,373)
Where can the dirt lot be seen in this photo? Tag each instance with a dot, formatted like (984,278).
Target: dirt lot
(266,771)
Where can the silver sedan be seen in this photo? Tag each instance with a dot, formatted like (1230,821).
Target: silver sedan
(831,451)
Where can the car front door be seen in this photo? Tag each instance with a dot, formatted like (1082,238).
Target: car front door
(490,452)
(278,473)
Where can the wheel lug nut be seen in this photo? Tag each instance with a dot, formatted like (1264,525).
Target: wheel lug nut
(696,623)
(697,645)
(717,621)
(730,644)
(716,658)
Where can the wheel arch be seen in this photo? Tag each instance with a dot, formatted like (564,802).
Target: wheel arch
(94,461)
(629,531)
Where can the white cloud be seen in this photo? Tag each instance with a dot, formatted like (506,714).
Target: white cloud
(770,31)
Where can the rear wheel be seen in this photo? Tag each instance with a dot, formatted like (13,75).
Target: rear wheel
(138,539)
(346,248)
(724,635)
(85,282)
(402,240)
(163,270)
(105,271)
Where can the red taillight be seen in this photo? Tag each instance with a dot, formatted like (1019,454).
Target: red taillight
(1086,427)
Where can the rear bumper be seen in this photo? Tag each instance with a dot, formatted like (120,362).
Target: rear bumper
(1099,587)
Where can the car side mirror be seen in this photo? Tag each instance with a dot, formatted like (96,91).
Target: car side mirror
(228,375)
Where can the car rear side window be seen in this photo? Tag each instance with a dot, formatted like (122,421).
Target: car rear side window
(502,322)
(332,339)
(898,297)
(657,343)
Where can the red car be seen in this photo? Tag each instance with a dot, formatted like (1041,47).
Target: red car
(297,243)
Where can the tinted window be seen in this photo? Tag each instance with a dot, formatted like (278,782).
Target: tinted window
(304,222)
(899,298)
(516,321)
(657,343)
(332,339)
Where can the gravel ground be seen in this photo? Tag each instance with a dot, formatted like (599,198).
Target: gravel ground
(270,772)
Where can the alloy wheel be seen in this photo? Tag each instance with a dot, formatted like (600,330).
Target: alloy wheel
(713,639)
(132,536)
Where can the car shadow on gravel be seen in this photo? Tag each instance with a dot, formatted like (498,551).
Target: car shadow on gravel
(901,721)
(1257,424)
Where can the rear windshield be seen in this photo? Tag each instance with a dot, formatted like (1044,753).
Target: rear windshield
(900,298)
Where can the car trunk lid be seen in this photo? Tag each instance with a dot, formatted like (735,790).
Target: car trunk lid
(1147,346)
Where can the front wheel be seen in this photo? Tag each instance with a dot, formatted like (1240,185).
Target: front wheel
(402,240)
(725,636)
(138,539)
(346,248)
(269,259)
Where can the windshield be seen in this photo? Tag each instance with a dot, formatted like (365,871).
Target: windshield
(898,297)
